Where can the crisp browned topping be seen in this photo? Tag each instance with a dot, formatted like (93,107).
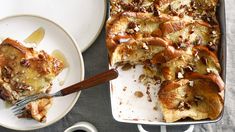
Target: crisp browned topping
(25,62)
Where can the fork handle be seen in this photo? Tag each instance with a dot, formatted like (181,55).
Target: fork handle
(90,82)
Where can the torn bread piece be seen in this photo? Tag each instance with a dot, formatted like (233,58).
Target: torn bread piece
(37,109)
(197,99)
(178,62)
(24,71)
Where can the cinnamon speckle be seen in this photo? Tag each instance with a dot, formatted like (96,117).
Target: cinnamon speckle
(124,89)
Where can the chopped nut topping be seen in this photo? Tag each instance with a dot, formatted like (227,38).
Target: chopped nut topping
(40,56)
(184,105)
(130,31)
(139,2)
(213,32)
(191,31)
(196,57)
(132,28)
(180,75)
(127,6)
(126,67)
(204,60)
(123,40)
(25,62)
(211,70)
(181,15)
(211,46)
(137,28)
(157,79)
(191,83)
(169,8)
(198,98)
(22,87)
(198,41)
(145,46)
(156,12)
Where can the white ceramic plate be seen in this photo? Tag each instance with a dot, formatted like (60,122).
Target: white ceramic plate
(19,27)
(82,18)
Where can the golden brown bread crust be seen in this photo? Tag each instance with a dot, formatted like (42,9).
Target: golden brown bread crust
(37,109)
(168,54)
(137,51)
(197,99)
(130,28)
(194,33)
(211,76)
(24,71)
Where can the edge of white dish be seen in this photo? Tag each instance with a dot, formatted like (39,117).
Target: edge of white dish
(100,29)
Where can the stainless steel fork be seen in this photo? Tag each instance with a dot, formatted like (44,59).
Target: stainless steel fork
(18,107)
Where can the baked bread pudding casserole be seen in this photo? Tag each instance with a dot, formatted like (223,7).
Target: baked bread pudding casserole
(177,42)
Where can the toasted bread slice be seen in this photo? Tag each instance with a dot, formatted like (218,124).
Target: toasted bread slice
(118,6)
(210,76)
(133,35)
(197,33)
(24,71)
(197,99)
(137,51)
(178,62)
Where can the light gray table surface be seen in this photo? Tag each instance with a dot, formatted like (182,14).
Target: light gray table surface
(94,104)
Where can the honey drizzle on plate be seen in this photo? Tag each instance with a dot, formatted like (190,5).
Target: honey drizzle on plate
(60,56)
(36,37)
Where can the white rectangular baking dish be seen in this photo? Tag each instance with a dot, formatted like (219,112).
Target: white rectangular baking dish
(128,108)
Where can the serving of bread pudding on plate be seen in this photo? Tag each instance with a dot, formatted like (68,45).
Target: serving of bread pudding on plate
(24,72)
(176,41)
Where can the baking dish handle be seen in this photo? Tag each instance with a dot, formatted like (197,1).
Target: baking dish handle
(163,128)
